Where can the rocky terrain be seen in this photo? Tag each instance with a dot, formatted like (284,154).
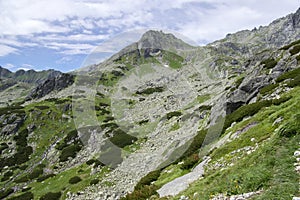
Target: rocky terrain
(161,119)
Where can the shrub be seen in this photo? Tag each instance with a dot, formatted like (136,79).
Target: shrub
(190,162)
(250,110)
(74,180)
(122,139)
(42,107)
(142,194)
(42,178)
(94,182)
(149,91)
(298,59)
(51,196)
(295,82)
(148,179)
(35,173)
(288,75)
(239,81)
(7,175)
(69,151)
(268,88)
(24,196)
(295,50)
(5,193)
(23,179)
(90,162)
(290,45)
(195,145)
(269,63)
(173,114)
(3,146)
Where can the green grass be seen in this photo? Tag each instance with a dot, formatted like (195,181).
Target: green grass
(175,127)
(60,182)
(203,98)
(270,168)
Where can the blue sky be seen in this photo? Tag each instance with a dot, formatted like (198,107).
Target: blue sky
(60,34)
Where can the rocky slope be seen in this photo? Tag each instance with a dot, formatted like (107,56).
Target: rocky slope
(163,120)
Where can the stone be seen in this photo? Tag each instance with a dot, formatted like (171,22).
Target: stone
(297,153)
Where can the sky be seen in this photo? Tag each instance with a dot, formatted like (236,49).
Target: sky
(60,34)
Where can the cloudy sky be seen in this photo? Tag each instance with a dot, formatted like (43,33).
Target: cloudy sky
(59,34)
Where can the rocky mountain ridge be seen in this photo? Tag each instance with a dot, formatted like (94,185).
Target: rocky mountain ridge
(138,125)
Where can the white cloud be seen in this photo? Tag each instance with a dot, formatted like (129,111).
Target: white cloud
(58,24)
(9,66)
(5,50)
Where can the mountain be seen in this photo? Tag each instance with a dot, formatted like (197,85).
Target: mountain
(161,119)
(16,86)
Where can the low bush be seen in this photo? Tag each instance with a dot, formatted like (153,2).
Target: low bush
(42,178)
(94,182)
(24,196)
(286,47)
(250,110)
(122,139)
(195,144)
(142,194)
(148,179)
(74,180)
(190,162)
(295,50)
(51,196)
(269,63)
(35,173)
(239,81)
(149,91)
(5,193)
(267,89)
(42,107)
(69,151)
(288,75)
(173,114)
(7,175)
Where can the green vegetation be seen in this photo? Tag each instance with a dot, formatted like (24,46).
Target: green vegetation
(250,110)
(69,151)
(122,139)
(269,63)
(269,168)
(45,177)
(5,193)
(173,114)
(267,89)
(239,81)
(144,189)
(24,196)
(295,50)
(149,91)
(94,182)
(175,127)
(51,196)
(292,74)
(203,98)
(148,179)
(290,45)
(74,180)
(174,60)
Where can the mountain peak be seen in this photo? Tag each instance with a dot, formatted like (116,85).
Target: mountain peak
(159,40)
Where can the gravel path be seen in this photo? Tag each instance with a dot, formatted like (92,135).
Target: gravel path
(178,185)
